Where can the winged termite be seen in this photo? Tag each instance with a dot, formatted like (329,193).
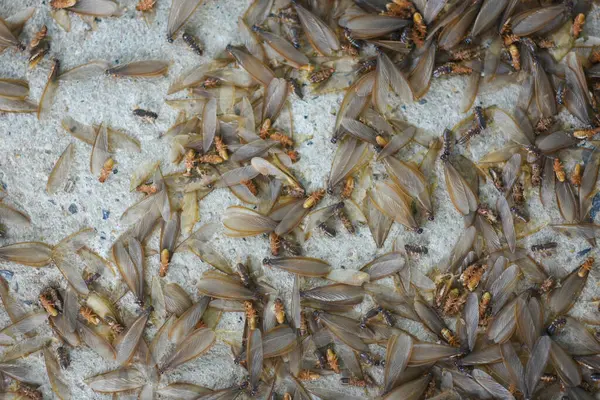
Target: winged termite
(319,34)
(60,172)
(49,91)
(388,75)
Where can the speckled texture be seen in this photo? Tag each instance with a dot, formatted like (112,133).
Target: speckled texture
(29,148)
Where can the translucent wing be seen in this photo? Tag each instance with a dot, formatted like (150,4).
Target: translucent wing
(181,11)
(60,172)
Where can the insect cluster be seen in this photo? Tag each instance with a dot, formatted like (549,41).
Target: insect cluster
(498,323)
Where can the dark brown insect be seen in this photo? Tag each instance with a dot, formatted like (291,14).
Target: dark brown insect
(559,170)
(51,301)
(251,315)
(536,173)
(332,361)
(326,229)
(145,5)
(480,117)
(454,302)
(341,214)
(367,65)
(545,43)
(63,357)
(578,23)
(518,195)
(291,247)
(446,150)
(274,243)
(321,75)
(303,325)
(370,314)
(282,138)
(471,276)
(210,159)
(496,176)
(193,44)
(543,125)
(452,69)
(314,198)
(242,271)
(145,114)
(415,250)
(91,277)
(279,310)
(544,247)
(296,88)
(419,30)
(89,315)
(293,155)
(556,325)
(29,392)
(353,45)
(400,8)
(473,131)
(294,191)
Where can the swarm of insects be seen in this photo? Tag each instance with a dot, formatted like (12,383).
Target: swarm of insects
(489,319)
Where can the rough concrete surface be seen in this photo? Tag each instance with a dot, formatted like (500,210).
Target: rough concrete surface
(29,148)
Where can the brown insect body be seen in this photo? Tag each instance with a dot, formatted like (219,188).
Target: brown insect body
(548,284)
(447,145)
(543,125)
(287,396)
(400,8)
(210,83)
(518,195)
(274,243)
(165,259)
(594,57)
(251,186)
(486,212)
(515,56)
(265,128)
(279,310)
(145,5)
(89,315)
(370,314)
(282,138)
(471,276)
(244,275)
(190,161)
(496,176)
(251,315)
(51,301)
(147,189)
(296,88)
(212,159)
(57,4)
(585,268)
(332,361)
(193,44)
(115,326)
(291,247)
(348,187)
(548,378)
(346,221)
(520,214)
(307,375)
(314,198)
(367,65)
(419,30)
(452,69)
(484,305)
(29,392)
(449,337)
(584,134)
(107,169)
(443,284)
(454,302)
(293,155)
(221,148)
(576,175)
(578,23)
(465,54)
(559,170)
(354,382)
(321,75)
(39,36)
(303,325)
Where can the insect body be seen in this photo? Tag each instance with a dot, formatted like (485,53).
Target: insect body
(314,198)
(251,314)
(165,259)
(51,301)
(279,311)
(63,357)
(471,276)
(145,114)
(193,44)
(332,361)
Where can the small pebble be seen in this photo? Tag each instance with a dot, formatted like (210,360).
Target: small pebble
(422,101)
(105,214)
(73,208)
(6,274)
